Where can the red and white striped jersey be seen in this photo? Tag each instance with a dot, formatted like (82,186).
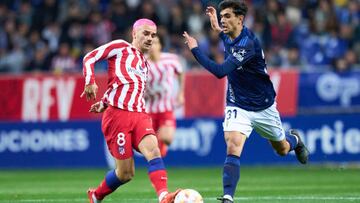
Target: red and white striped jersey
(160,86)
(127,74)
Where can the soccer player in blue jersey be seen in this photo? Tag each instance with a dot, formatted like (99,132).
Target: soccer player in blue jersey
(250,101)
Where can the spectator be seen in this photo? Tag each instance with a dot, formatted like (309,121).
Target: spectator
(99,29)
(340,65)
(322,31)
(63,61)
(41,60)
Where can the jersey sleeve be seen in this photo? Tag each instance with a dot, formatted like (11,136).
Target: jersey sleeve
(219,70)
(242,52)
(103,52)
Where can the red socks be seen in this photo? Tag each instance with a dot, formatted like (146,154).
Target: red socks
(159,181)
(102,190)
(108,185)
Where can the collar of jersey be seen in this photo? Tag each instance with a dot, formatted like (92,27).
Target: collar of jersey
(237,39)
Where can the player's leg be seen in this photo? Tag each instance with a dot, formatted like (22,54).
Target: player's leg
(147,143)
(291,142)
(125,170)
(119,142)
(237,128)
(231,172)
(166,136)
(268,124)
(148,146)
(166,131)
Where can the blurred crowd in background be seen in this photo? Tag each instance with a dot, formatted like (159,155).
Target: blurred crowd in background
(54,35)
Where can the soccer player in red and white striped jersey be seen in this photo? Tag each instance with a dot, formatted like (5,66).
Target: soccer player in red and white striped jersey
(125,124)
(165,69)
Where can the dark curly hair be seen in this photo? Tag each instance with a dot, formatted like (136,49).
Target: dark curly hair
(239,7)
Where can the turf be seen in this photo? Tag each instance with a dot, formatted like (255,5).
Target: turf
(257,184)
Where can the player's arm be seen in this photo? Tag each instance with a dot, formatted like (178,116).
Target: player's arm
(219,70)
(180,76)
(211,12)
(100,53)
(180,99)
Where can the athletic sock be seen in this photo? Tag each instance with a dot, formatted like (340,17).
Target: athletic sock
(231,174)
(158,175)
(292,140)
(110,183)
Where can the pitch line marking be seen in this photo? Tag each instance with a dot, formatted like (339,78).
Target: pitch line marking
(354,198)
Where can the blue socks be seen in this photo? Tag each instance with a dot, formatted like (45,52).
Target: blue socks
(292,140)
(112,181)
(231,174)
(155,165)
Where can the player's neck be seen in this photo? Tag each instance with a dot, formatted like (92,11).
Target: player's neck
(236,33)
(137,46)
(155,56)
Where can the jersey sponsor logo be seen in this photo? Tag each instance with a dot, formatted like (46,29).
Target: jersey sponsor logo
(138,71)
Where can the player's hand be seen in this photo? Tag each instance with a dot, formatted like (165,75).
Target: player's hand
(98,107)
(211,12)
(190,41)
(90,92)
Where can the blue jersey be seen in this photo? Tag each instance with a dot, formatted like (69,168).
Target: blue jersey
(249,85)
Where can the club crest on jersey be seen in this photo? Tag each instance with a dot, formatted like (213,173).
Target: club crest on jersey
(121,150)
(238,54)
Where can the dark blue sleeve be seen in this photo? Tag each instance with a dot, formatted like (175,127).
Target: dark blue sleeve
(218,70)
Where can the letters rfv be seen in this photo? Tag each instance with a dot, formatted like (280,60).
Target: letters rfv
(38,98)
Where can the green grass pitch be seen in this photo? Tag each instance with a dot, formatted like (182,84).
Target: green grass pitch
(257,184)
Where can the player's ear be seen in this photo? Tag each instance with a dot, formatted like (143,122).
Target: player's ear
(241,19)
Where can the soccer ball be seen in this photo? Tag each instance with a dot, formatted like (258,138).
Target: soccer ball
(188,196)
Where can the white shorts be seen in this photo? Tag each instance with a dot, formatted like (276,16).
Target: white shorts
(267,122)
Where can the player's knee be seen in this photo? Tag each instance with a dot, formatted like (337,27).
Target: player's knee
(233,148)
(234,142)
(125,175)
(166,136)
(153,151)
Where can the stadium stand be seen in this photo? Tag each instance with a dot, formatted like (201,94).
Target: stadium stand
(52,35)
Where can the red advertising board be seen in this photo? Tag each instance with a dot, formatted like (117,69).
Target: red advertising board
(204,95)
(286,86)
(45,97)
